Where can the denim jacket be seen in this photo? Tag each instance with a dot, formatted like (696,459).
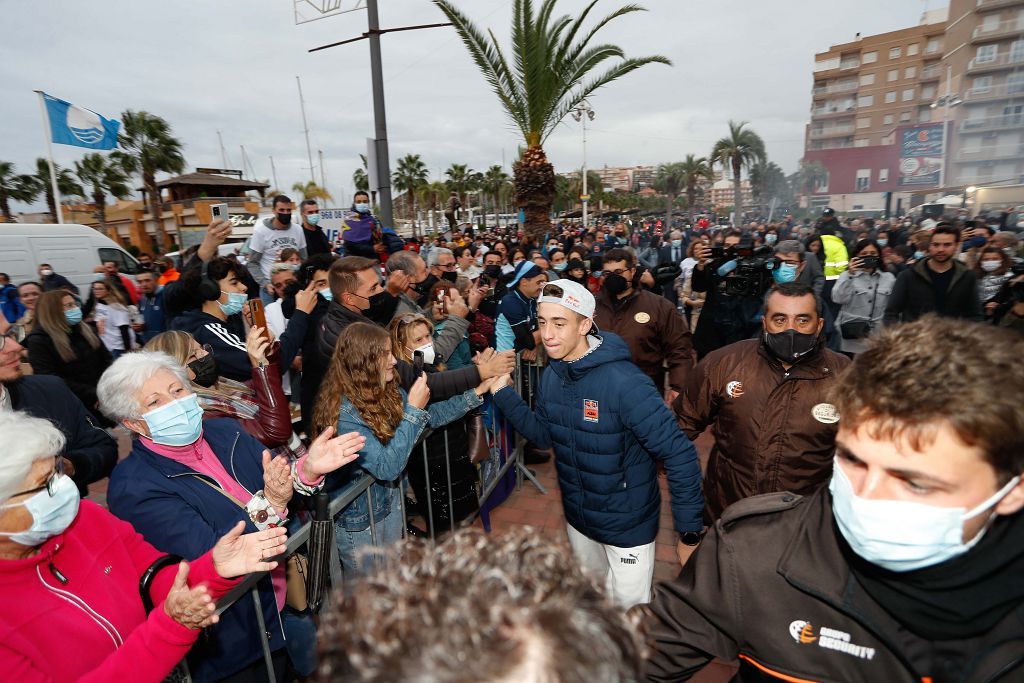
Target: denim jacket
(386,463)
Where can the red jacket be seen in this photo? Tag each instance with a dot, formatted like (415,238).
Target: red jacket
(93,627)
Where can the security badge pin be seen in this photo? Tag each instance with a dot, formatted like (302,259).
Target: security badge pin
(642,317)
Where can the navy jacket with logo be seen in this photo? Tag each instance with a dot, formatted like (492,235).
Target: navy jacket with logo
(608,424)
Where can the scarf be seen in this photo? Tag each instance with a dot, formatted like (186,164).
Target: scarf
(960,598)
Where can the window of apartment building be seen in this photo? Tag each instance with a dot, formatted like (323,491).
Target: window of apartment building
(867,79)
(1014,113)
(912,49)
(908,94)
(990,22)
(863,179)
(1017,48)
(862,142)
(883,173)
(905,117)
(895,52)
(934,45)
(893,75)
(870,57)
(1015,83)
(982,84)
(986,54)
(890,97)
(887,120)
(864,122)
(865,100)
(889,139)
(924,114)
(910,72)
(927,92)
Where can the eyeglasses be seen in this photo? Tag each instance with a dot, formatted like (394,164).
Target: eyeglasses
(51,482)
(15,334)
(553,291)
(446,266)
(618,271)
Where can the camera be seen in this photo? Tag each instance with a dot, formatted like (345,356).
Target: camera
(869,262)
(754,266)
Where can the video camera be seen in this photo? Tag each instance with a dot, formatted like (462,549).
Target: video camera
(752,275)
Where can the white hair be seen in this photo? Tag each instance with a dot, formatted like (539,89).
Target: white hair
(436,253)
(27,439)
(281,267)
(123,380)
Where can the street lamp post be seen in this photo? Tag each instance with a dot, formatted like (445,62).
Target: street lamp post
(582,112)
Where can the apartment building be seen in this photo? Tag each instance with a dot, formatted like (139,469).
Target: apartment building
(984,60)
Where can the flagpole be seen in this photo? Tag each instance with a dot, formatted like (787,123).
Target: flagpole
(49,158)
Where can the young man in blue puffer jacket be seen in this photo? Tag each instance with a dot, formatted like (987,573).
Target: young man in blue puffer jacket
(608,424)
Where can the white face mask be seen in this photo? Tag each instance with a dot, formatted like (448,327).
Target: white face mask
(51,515)
(428,353)
(902,536)
(990,266)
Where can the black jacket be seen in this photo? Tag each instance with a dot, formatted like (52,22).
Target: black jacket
(725,319)
(914,296)
(89,448)
(81,374)
(769,586)
(443,385)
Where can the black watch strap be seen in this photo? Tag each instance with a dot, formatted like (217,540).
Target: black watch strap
(690,538)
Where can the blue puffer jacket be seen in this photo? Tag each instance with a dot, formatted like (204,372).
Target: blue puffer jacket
(171,506)
(608,424)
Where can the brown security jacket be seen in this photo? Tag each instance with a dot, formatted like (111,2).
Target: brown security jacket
(657,335)
(773,429)
(769,587)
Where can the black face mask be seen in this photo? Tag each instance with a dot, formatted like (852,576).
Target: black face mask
(379,311)
(790,346)
(423,288)
(283,218)
(615,284)
(450,276)
(492,271)
(205,370)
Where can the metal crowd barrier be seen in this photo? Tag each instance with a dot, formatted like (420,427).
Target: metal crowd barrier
(506,450)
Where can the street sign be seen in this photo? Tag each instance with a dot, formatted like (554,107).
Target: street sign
(584,197)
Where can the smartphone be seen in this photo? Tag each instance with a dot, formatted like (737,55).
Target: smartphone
(257,316)
(417,362)
(220,212)
(868,262)
(441,302)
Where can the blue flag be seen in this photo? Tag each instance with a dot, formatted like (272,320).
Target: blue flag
(80,127)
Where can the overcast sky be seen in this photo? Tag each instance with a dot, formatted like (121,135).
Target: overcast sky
(230,65)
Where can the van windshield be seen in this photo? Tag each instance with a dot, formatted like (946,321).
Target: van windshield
(125,263)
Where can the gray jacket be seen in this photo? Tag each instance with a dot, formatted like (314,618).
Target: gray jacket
(862,296)
(449,337)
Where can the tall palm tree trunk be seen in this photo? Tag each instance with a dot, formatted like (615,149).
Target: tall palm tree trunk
(5,208)
(101,211)
(691,199)
(153,195)
(737,193)
(535,191)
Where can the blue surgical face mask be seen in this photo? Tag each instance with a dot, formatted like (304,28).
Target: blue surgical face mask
(677,243)
(327,294)
(919,255)
(362,207)
(178,423)
(786,272)
(902,536)
(235,303)
(771,238)
(51,515)
(559,267)
(73,316)
(882,241)
(313,218)
(597,273)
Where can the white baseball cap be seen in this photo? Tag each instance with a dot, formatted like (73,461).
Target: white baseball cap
(571,295)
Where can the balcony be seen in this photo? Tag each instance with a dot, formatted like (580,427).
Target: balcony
(832,132)
(833,112)
(996,92)
(1006,60)
(930,73)
(985,5)
(1003,29)
(849,63)
(990,153)
(992,123)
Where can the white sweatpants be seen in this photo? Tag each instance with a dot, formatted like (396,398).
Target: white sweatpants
(627,573)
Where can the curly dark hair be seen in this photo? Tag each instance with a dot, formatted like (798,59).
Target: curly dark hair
(903,386)
(480,607)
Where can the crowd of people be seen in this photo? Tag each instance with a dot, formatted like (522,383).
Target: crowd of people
(858,517)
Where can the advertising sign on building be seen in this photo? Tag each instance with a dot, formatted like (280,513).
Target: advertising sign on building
(920,155)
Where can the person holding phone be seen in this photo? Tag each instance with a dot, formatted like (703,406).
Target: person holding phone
(862,292)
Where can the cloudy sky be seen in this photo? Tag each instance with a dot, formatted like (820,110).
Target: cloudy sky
(230,65)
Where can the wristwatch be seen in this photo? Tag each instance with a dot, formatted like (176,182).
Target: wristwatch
(690,538)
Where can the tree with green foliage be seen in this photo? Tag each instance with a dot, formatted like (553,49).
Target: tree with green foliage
(17,187)
(67,184)
(741,149)
(409,177)
(553,67)
(103,175)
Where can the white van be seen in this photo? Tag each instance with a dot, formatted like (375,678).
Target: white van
(73,251)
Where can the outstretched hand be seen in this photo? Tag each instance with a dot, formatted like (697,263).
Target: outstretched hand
(237,554)
(328,454)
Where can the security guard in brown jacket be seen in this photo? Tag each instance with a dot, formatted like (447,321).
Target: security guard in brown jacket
(657,335)
(765,401)
(909,567)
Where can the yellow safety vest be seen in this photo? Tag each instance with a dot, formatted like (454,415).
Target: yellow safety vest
(836,256)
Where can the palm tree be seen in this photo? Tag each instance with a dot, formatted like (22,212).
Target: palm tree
(67,185)
(409,177)
(310,190)
(433,195)
(19,187)
(553,68)
(149,148)
(768,182)
(695,169)
(670,180)
(460,180)
(742,148)
(809,177)
(493,182)
(103,176)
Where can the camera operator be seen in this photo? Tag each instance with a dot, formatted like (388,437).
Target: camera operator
(735,279)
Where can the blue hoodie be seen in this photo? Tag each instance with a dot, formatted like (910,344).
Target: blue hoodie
(608,424)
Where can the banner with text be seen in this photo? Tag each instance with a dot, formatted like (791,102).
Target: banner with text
(921,155)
